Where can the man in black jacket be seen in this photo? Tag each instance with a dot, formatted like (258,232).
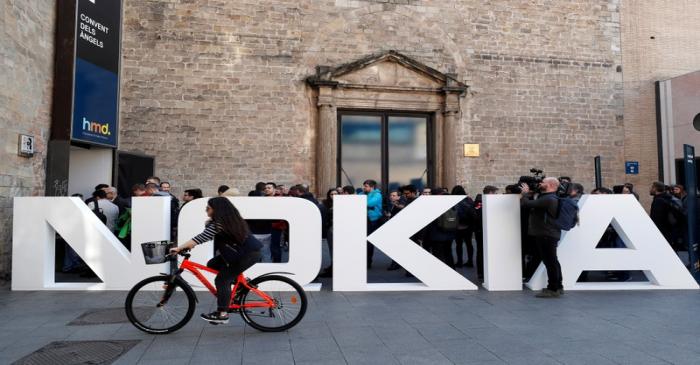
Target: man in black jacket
(543,211)
(117,200)
(661,209)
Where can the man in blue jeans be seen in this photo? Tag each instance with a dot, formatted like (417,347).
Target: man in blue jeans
(374,213)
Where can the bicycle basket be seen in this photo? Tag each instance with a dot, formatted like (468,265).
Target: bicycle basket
(155,252)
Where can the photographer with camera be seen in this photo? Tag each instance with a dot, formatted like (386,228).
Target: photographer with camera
(541,225)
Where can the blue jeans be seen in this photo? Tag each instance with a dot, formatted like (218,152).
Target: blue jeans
(276,245)
(371,227)
(71,260)
(266,240)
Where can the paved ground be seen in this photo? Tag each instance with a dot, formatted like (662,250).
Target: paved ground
(389,328)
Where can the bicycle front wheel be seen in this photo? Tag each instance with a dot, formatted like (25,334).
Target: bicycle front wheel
(157,307)
(288,308)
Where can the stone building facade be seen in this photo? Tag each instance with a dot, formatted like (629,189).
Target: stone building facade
(26,73)
(242,91)
(218,92)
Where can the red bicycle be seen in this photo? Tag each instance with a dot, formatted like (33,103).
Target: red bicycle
(165,303)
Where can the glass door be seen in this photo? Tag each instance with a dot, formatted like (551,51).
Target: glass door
(361,149)
(391,148)
(407,158)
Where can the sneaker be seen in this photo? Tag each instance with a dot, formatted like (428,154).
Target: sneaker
(560,291)
(215,318)
(546,293)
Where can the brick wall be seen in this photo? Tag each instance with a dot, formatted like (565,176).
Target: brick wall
(548,91)
(660,40)
(26,72)
(215,89)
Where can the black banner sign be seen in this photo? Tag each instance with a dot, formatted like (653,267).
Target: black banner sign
(97,33)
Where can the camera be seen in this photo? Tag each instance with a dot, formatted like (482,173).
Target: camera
(533,181)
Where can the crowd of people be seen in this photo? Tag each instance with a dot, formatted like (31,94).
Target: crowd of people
(455,237)
(115,212)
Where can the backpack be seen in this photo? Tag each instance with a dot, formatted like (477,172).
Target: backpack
(466,213)
(448,220)
(567,214)
(676,213)
(96,209)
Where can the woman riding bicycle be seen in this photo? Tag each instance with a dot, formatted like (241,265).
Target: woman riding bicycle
(235,248)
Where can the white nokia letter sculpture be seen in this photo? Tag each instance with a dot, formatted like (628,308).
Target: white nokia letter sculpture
(502,237)
(304,221)
(393,238)
(37,220)
(647,250)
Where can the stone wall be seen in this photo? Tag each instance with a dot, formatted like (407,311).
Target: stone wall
(660,40)
(26,72)
(215,90)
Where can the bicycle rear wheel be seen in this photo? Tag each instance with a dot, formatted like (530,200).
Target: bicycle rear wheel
(146,312)
(289,303)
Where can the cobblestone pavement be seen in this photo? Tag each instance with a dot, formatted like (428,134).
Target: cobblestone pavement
(477,327)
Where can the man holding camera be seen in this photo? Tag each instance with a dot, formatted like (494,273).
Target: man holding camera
(543,211)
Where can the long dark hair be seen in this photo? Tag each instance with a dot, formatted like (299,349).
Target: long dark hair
(458,190)
(328,203)
(229,218)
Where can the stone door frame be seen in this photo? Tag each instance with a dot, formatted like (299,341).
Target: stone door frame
(433,93)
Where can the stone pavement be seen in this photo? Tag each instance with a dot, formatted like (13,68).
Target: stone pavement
(388,328)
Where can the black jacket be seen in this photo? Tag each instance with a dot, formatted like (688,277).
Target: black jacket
(122,204)
(434,233)
(233,251)
(543,210)
(659,213)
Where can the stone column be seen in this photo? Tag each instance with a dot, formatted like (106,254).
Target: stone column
(449,140)
(327,141)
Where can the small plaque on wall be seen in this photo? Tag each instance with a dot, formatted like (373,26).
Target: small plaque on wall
(471,150)
(26,145)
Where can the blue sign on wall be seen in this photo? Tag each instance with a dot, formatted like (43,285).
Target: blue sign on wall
(96,73)
(631,167)
(95,104)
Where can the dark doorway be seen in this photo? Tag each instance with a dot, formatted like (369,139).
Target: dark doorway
(132,169)
(392,148)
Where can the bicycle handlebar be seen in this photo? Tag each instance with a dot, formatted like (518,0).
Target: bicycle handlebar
(183,253)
